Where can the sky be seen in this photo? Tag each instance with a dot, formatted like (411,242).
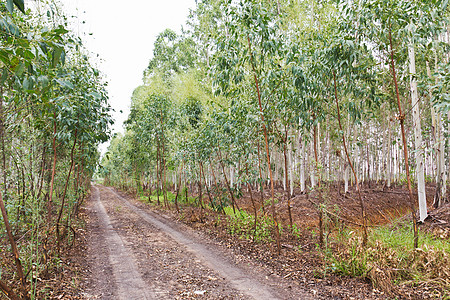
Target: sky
(123,33)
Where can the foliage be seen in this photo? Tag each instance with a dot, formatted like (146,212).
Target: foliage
(241,224)
(53,114)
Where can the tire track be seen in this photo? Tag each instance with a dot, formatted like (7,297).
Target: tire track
(129,282)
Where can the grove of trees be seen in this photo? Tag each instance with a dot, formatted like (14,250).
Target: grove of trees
(302,94)
(53,115)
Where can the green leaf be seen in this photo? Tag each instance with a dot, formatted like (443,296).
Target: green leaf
(27,84)
(9,28)
(43,80)
(60,30)
(44,47)
(19,69)
(64,83)
(96,95)
(20,5)
(4,57)
(4,76)
(28,55)
(56,56)
(9,6)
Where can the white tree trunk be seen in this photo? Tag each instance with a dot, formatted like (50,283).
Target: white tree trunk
(302,165)
(417,136)
(291,168)
(284,170)
(232,176)
(312,166)
(346,173)
(389,158)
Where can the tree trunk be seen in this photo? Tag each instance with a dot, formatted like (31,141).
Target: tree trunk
(13,245)
(286,168)
(346,175)
(361,202)
(8,291)
(50,199)
(233,201)
(417,136)
(215,184)
(439,149)
(261,180)
(389,159)
(178,189)
(302,164)
(274,214)
(291,169)
(63,199)
(255,212)
(313,150)
(157,174)
(206,185)
(2,141)
(405,144)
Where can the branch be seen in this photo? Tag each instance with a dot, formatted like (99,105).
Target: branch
(8,291)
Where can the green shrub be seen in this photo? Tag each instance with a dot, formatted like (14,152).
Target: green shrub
(242,224)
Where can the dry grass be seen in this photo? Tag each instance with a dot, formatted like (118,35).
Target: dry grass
(391,264)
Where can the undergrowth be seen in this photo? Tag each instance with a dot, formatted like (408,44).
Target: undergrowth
(242,224)
(153,198)
(390,261)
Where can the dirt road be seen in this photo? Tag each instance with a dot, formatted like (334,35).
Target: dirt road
(136,254)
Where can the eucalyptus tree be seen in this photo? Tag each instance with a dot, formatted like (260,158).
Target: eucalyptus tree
(172,54)
(252,45)
(440,99)
(350,67)
(115,166)
(389,25)
(244,134)
(52,104)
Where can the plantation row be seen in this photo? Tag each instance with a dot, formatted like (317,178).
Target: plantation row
(258,93)
(53,115)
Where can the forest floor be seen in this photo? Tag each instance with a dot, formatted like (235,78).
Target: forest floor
(133,250)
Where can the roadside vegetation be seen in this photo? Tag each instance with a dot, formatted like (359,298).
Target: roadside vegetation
(53,115)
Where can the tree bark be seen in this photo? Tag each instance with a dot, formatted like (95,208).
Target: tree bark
(401,118)
(50,199)
(261,180)
(361,202)
(439,149)
(417,136)
(158,177)
(2,141)
(302,165)
(63,199)
(255,212)
(286,170)
(8,291)
(178,189)
(206,184)
(12,242)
